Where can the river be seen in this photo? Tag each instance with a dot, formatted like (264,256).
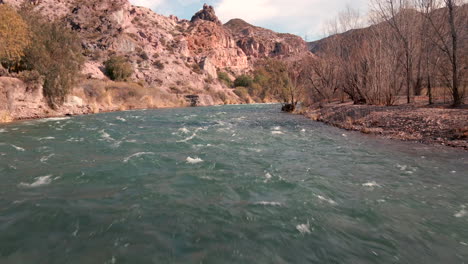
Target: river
(230,184)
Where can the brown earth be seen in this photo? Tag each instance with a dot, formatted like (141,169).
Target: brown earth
(436,125)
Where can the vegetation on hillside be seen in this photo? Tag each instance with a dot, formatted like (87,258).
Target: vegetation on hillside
(118,68)
(411,46)
(14,37)
(55,53)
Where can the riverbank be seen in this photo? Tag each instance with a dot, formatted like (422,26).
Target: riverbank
(430,125)
(20,100)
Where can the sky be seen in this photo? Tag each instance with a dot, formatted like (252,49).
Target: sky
(305,18)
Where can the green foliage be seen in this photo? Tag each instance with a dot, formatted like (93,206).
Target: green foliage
(271,80)
(224,77)
(56,54)
(14,37)
(118,68)
(243,81)
(243,93)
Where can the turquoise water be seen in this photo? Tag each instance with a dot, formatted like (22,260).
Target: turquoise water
(233,184)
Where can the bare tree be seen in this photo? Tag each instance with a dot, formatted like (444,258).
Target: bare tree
(445,20)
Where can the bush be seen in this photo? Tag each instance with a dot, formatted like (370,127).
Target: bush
(31,77)
(118,68)
(243,81)
(224,77)
(14,37)
(243,93)
(159,65)
(56,54)
(196,68)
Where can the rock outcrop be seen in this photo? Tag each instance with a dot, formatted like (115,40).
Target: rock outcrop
(171,57)
(258,42)
(206,14)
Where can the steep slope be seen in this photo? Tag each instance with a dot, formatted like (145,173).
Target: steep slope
(358,35)
(171,57)
(257,42)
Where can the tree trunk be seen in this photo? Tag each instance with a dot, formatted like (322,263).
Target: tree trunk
(453,31)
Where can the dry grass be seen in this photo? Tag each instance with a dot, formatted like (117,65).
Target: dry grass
(109,95)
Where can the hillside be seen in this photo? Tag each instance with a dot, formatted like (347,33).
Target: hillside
(171,57)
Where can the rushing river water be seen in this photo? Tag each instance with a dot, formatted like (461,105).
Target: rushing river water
(233,184)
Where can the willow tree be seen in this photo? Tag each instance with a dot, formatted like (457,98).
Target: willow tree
(14,37)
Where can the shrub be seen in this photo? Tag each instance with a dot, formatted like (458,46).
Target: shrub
(56,54)
(144,55)
(14,37)
(159,65)
(243,81)
(31,77)
(196,68)
(118,68)
(243,93)
(224,77)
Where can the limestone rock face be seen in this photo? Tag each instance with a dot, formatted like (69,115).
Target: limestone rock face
(171,57)
(258,42)
(206,14)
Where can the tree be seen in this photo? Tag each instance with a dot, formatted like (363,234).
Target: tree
(118,68)
(401,18)
(55,52)
(243,81)
(446,20)
(14,37)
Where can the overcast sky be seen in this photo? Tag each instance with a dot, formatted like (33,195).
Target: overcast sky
(300,17)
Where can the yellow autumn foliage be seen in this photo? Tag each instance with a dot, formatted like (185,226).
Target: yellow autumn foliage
(14,36)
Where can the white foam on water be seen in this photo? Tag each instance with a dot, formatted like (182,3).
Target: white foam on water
(46,158)
(187,139)
(268,203)
(276,128)
(46,138)
(277,132)
(121,119)
(54,119)
(268,176)
(303,130)
(131,141)
(18,148)
(453,172)
(195,160)
(371,184)
(193,135)
(304,228)
(464,244)
(184,130)
(462,212)
(3,130)
(39,181)
(207,178)
(136,155)
(105,135)
(330,201)
(77,229)
(344,135)
(402,167)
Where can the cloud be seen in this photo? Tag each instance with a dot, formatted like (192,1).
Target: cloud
(147,3)
(302,17)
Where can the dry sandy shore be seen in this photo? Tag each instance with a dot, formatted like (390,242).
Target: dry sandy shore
(430,125)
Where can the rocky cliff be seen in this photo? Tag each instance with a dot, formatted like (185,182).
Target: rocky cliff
(172,57)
